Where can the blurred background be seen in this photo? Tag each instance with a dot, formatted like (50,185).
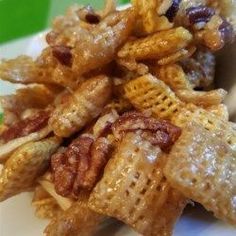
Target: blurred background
(19,18)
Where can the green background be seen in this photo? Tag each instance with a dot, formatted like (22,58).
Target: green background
(19,18)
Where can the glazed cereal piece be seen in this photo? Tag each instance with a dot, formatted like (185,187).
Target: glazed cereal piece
(151,15)
(46,69)
(147,93)
(134,190)
(18,70)
(209,121)
(203,167)
(81,107)
(202,98)
(182,54)
(101,45)
(77,220)
(25,165)
(220,111)
(46,183)
(30,97)
(7,148)
(158,45)
(173,75)
(46,206)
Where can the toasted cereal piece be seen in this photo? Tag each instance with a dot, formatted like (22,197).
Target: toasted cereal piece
(173,75)
(220,111)
(44,70)
(151,21)
(46,206)
(202,98)
(158,45)
(81,107)
(134,190)
(102,44)
(25,165)
(202,167)
(177,56)
(18,70)
(147,93)
(131,65)
(3,128)
(208,120)
(7,148)
(29,97)
(77,220)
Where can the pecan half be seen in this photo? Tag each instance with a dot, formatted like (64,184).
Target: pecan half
(88,15)
(200,69)
(79,166)
(172,11)
(162,132)
(227,32)
(63,55)
(26,126)
(199,14)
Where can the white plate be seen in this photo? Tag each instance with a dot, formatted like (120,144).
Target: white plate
(17,216)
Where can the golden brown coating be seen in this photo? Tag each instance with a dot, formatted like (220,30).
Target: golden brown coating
(25,165)
(24,127)
(77,220)
(120,105)
(134,190)
(151,16)
(202,98)
(18,70)
(8,148)
(46,182)
(149,94)
(46,206)
(158,45)
(81,107)
(46,69)
(30,97)
(100,47)
(203,167)
(180,55)
(173,75)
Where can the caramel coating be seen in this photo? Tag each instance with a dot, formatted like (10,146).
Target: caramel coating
(85,104)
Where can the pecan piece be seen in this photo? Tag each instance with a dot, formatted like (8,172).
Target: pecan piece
(199,14)
(227,32)
(26,126)
(79,166)
(172,11)
(162,132)
(63,55)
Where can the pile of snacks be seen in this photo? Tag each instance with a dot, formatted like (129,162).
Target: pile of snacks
(119,117)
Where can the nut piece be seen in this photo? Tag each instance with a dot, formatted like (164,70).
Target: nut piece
(79,166)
